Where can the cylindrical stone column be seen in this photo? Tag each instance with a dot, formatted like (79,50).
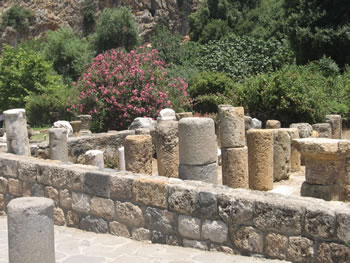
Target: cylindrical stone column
(95,158)
(336,123)
(235,167)
(76,125)
(197,149)
(30,230)
(121,157)
(85,122)
(295,158)
(281,155)
(167,144)
(16,132)
(58,144)
(138,153)
(260,159)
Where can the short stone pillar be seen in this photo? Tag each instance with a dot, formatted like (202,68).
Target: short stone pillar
(324,130)
(260,159)
(16,132)
(167,148)
(85,122)
(121,157)
(76,125)
(58,144)
(326,171)
(31,230)
(233,150)
(138,153)
(336,123)
(273,124)
(294,153)
(167,115)
(281,155)
(95,158)
(305,129)
(197,149)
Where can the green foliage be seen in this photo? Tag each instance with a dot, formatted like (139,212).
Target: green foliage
(317,28)
(23,72)
(115,28)
(68,52)
(240,57)
(210,89)
(17,17)
(89,17)
(214,30)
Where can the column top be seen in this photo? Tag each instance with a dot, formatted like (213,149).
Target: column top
(24,203)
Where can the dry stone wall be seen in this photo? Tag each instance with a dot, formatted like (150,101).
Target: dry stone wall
(174,212)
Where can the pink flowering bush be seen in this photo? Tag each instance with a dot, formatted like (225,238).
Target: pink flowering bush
(119,86)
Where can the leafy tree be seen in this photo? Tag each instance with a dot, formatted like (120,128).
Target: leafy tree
(115,28)
(214,30)
(317,28)
(17,17)
(89,16)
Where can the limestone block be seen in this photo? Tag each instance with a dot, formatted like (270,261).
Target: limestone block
(247,238)
(129,214)
(189,227)
(281,155)
(167,115)
(3,185)
(208,204)
(235,167)
(275,246)
(323,172)
(160,220)
(273,124)
(138,153)
(300,250)
(58,215)
(16,132)
(91,223)
(343,226)
(97,183)
(15,187)
(141,122)
(215,231)
(118,229)
(85,121)
(324,130)
(102,207)
(52,193)
(81,202)
(305,129)
(94,158)
(183,199)
(195,244)
(8,168)
(65,199)
(151,191)
(141,234)
(232,132)
(64,124)
(167,144)
(205,173)
(76,126)
(333,252)
(72,219)
(58,144)
(325,192)
(75,179)
(31,230)
(182,115)
(197,141)
(27,171)
(256,124)
(260,159)
(320,222)
(121,186)
(336,123)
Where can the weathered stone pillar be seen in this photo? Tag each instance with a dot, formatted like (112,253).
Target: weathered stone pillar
(30,230)
(16,132)
(273,124)
(197,150)
(260,159)
(336,122)
(326,171)
(294,153)
(121,157)
(281,155)
(95,158)
(167,115)
(305,129)
(167,144)
(85,122)
(58,144)
(233,150)
(324,130)
(138,153)
(76,125)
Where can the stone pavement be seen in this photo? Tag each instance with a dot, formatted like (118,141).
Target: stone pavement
(76,246)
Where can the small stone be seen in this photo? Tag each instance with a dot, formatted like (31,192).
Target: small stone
(141,122)
(59,216)
(72,219)
(276,245)
(3,185)
(102,207)
(195,244)
(220,248)
(160,220)
(215,231)
(118,229)
(129,214)
(64,124)
(38,190)
(300,249)
(256,124)
(52,193)
(94,158)
(247,238)
(167,115)
(81,202)
(65,199)
(189,227)
(15,187)
(333,252)
(97,225)
(173,240)
(320,222)
(273,124)
(158,237)
(141,234)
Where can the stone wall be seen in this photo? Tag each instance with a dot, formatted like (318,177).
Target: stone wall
(175,212)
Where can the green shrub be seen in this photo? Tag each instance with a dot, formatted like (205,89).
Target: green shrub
(210,89)
(89,17)
(115,28)
(17,17)
(214,30)
(24,72)
(68,52)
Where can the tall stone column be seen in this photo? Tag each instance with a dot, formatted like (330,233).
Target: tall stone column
(197,149)
(260,159)
(336,124)
(281,155)
(233,149)
(167,144)
(138,153)
(58,144)
(30,230)
(16,132)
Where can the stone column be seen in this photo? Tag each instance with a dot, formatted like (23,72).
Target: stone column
(167,115)
(324,130)
(197,149)
(85,122)
(273,124)
(167,144)
(16,132)
(233,150)
(138,153)
(76,125)
(294,153)
(281,155)
(336,122)
(95,158)
(121,156)
(30,230)
(58,144)
(260,159)
(326,171)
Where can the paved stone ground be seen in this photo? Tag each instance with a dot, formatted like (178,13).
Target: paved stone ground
(76,246)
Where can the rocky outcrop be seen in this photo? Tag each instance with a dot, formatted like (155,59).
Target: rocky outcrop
(53,14)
